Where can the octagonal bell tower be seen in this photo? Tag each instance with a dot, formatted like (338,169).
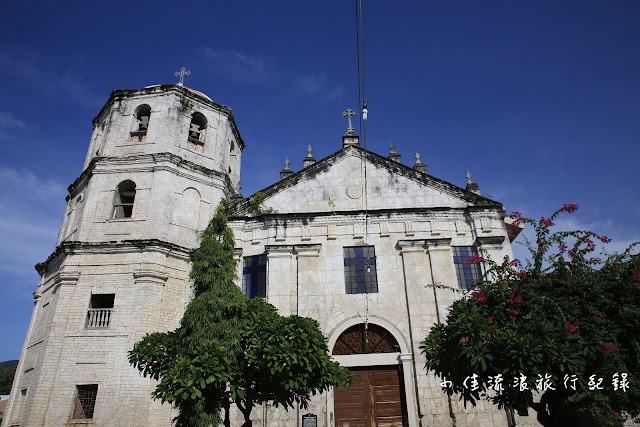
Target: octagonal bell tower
(159,161)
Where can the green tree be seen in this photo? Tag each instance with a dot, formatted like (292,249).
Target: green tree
(564,321)
(232,350)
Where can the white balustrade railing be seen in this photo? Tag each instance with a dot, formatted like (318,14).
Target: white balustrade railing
(98,318)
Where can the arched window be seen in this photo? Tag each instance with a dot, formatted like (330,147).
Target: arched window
(197,128)
(123,203)
(142,114)
(365,339)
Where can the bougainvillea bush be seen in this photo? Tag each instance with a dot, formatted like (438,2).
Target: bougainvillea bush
(560,335)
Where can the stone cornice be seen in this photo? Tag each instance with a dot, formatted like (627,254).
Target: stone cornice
(149,162)
(152,245)
(490,241)
(150,275)
(439,244)
(309,250)
(372,214)
(411,245)
(279,251)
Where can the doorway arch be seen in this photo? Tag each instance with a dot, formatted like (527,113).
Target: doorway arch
(382,388)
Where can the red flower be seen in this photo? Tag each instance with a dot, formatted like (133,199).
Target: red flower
(481,297)
(570,328)
(517,299)
(614,268)
(514,311)
(474,259)
(566,302)
(604,239)
(614,413)
(614,283)
(607,349)
(596,317)
(490,319)
(513,318)
(546,222)
(571,208)
(636,275)
(509,301)
(464,340)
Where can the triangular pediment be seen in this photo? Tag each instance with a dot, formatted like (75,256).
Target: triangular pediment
(337,184)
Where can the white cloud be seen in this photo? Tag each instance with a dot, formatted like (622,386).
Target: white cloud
(30,214)
(315,85)
(24,67)
(238,66)
(8,120)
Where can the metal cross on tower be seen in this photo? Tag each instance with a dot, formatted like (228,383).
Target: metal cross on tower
(183,71)
(348,113)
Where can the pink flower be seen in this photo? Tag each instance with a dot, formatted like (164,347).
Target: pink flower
(481,297)
(522,274)
(614,413)
(514,311)
(509,301)
(515,214)
(513,318)
(464,340)
(562,246)
(604,239)
(490,319)
(570,328)
(566,302)
(607,349)
(571,208)
(517,300)
(596,317)
(546,222)
(474,259)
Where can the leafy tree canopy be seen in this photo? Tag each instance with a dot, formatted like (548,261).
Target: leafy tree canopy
(556,326)
(232,350)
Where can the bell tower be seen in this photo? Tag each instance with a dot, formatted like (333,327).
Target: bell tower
(159,161)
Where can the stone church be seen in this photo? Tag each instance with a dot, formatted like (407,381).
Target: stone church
(353,240)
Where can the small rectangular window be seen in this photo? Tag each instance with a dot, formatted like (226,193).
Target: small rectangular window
(100,311)
(85,401)
(360,270)
(254,276)
(466,273)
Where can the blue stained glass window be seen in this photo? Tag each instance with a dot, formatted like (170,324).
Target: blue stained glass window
(466,273)
(360,270)
(254,276)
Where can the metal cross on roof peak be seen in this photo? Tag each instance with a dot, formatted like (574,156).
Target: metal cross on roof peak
(183,71)
(348,113)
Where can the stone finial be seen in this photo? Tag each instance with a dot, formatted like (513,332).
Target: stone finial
(393,155)
(287,170)
(419,166)
(309,160)
(472,186)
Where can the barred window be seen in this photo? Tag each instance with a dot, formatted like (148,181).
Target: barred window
(360,270)
(254,276)
(466,273)
(85,402)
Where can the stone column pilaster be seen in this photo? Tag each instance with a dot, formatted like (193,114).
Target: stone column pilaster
(281,278)
(308,289)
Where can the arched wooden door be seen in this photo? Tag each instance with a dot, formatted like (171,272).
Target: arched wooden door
(376,397)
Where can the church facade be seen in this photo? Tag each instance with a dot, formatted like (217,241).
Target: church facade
(367,246)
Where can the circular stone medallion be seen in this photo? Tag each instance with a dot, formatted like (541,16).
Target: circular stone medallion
(354,192)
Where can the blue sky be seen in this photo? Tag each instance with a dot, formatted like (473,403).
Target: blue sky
(540,100)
